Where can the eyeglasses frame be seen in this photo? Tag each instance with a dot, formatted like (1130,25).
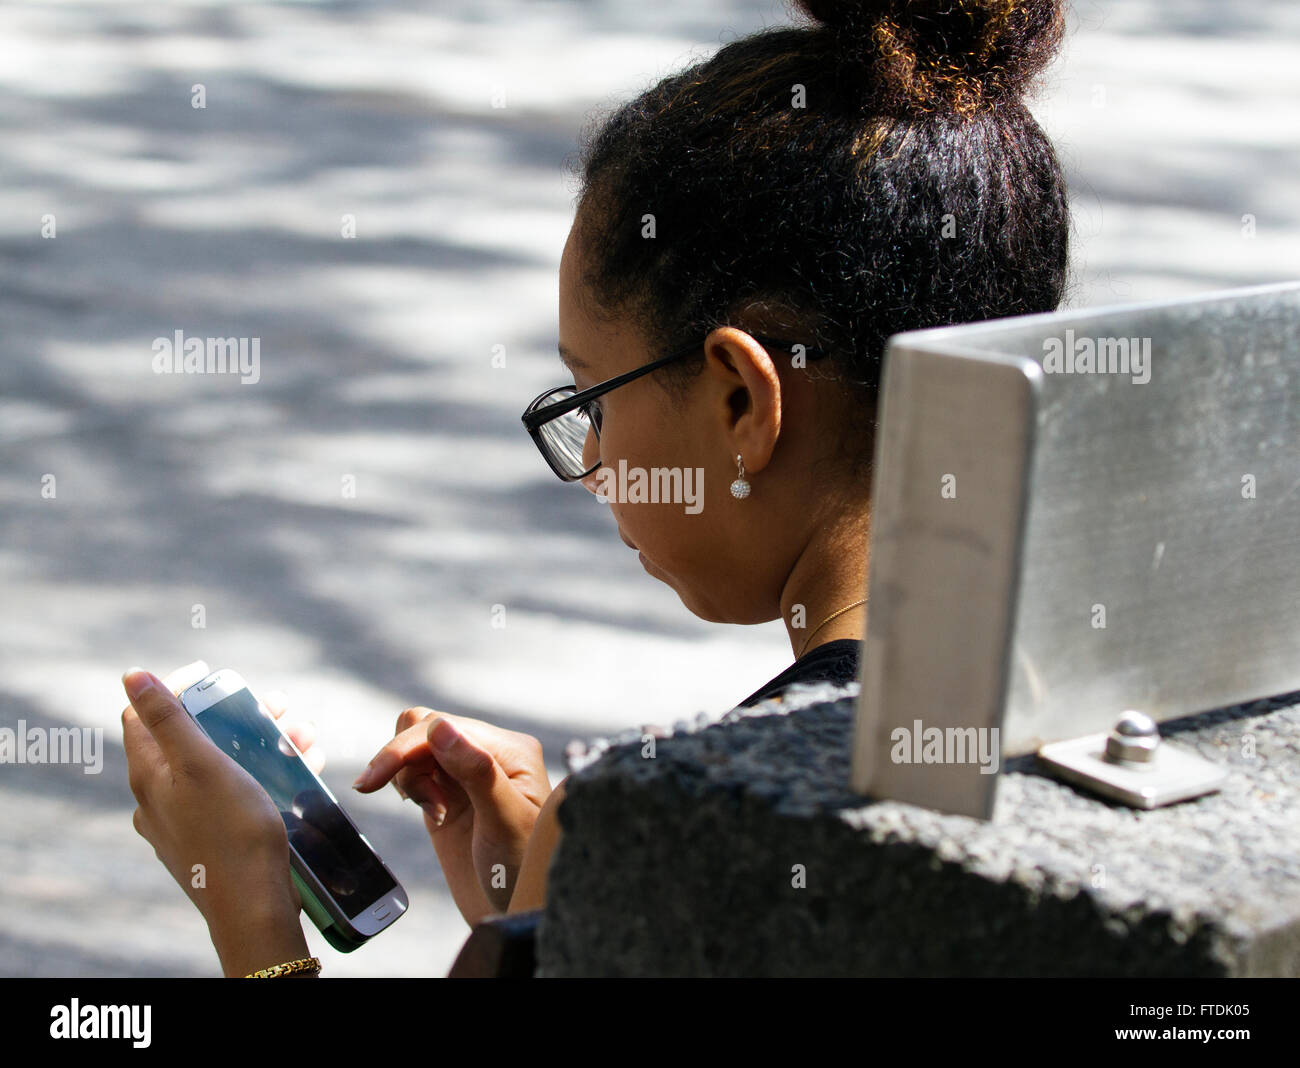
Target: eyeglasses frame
(533,420)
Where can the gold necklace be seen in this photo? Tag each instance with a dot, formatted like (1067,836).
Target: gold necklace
(824,622)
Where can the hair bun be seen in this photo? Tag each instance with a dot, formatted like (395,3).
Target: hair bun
(958,55)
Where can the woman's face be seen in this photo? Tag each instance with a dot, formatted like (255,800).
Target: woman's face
(726,558)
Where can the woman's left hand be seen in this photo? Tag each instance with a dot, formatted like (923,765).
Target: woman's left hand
(214,828)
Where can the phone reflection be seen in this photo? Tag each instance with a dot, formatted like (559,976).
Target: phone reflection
(314,824)
(317,828)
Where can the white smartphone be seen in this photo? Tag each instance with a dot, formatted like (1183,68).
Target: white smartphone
(346,890)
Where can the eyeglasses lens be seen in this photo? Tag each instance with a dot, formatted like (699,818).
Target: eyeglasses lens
(566,436)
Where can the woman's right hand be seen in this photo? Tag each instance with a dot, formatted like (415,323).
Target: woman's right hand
(481,789)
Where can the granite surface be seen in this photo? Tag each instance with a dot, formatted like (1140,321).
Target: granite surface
(739,849)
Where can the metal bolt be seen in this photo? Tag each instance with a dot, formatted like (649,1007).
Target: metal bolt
(1133,739)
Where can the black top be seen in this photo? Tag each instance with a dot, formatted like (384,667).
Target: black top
(835,661)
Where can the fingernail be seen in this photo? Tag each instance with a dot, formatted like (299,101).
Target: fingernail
(443,736)
(436,812)
(137,681)
(361,779)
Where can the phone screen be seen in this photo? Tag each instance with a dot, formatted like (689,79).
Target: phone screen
(317,827)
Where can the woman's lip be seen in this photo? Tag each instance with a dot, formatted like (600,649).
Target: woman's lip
(625,541)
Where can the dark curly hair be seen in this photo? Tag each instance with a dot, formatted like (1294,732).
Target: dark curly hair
(874,172)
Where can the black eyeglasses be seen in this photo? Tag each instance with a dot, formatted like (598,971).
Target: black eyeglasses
(559,419)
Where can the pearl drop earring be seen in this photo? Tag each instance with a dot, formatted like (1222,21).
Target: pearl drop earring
(740,488)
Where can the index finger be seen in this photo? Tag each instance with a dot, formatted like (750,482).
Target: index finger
(407,747)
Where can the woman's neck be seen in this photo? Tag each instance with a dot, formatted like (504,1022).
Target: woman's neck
(830,574)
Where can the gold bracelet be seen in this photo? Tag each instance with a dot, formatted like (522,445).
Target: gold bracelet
(305,964)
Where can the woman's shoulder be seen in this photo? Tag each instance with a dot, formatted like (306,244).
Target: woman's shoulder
(835,661)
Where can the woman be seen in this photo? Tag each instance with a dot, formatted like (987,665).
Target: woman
(749,233)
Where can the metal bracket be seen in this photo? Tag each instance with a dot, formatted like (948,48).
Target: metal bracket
(1132,765)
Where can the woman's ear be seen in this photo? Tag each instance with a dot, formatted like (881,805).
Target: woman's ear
(745,392)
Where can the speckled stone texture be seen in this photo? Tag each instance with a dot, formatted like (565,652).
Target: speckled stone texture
(685,864)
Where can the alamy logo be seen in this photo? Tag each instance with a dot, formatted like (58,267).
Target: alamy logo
(102,1021)
(657,485)
(53,745)
(946,745)
(179,354)
(1098,356)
